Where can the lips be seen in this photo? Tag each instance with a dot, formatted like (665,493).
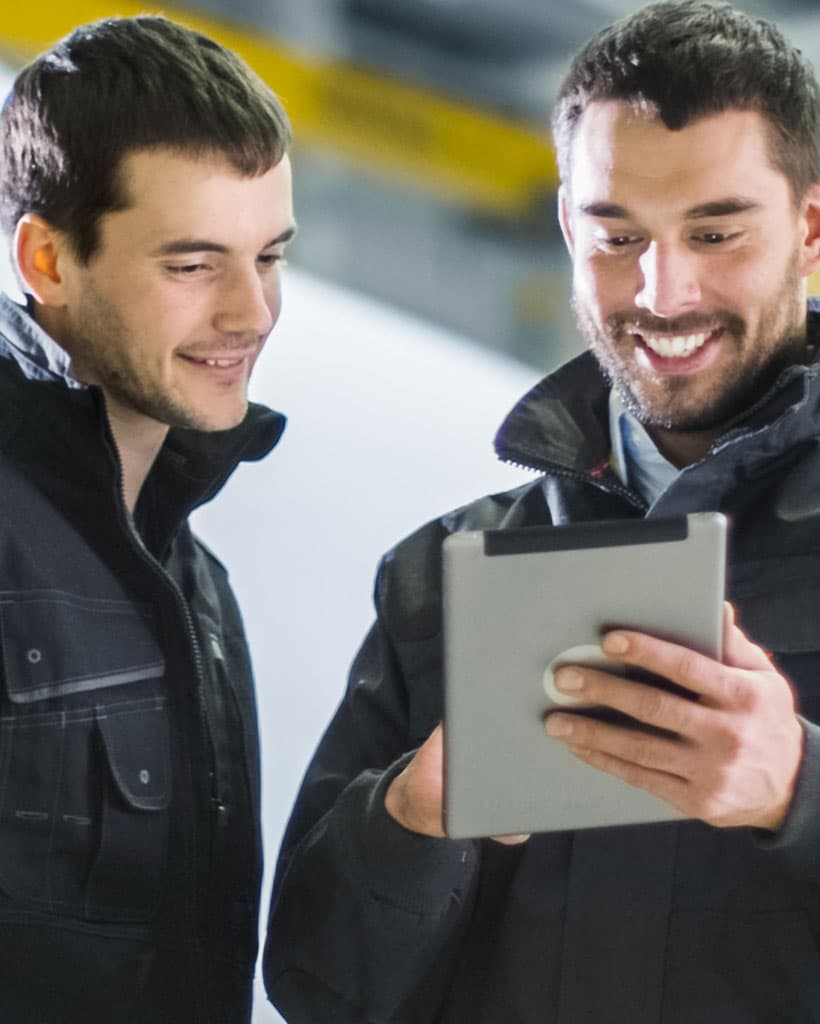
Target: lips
(678,353)
(219,361)
(676,346)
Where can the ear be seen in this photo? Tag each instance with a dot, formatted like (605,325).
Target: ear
(39,250)
(565,219)
(810,248)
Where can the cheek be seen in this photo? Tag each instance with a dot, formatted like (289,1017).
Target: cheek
(273,299)
(174,315)
(743,288)
(756,271)
(604,286)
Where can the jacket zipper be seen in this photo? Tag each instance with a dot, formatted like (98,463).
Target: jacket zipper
(536,465)
(214,799)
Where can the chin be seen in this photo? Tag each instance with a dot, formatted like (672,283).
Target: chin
(212,425)
(207,421)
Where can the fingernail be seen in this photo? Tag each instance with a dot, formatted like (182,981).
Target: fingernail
(568,679)
(559,726)
(615,643)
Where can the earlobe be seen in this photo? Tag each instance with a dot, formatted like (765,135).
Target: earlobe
(564,218)
(37,249)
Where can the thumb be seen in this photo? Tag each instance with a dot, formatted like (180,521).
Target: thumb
(738,650)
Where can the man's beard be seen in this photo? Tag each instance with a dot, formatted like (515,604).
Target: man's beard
(112,355)
(662,401)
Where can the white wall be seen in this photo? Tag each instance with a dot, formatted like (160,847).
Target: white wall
(390,423)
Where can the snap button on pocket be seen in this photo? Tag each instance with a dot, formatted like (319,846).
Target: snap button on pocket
(134,827)
(119,645)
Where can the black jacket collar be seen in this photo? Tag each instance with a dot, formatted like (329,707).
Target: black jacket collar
(57,430)
(562,423)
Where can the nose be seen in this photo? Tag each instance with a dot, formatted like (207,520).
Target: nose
(248,303)
(669,280)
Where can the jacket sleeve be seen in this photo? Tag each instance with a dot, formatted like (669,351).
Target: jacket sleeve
(798,839)
(366,916)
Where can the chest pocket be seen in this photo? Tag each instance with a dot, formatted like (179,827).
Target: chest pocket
(84,757)
(779,607)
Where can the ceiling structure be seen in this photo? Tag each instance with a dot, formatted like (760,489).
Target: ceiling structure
(464,234)
(424,171)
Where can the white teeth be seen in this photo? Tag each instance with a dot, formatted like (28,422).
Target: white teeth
(221,362)
(675,346)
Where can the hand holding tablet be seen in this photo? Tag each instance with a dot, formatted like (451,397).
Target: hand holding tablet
(520,603)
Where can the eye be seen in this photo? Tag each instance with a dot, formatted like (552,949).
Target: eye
(716,237)
(616,243)
(187,269)
(271,259)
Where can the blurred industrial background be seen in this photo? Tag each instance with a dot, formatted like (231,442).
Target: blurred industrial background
(424,172)
(425,192)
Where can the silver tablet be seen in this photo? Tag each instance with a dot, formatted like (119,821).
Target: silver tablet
(519,602)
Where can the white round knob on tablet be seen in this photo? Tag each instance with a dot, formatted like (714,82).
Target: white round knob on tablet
(585,654)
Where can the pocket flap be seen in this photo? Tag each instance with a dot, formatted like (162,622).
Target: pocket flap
(136,741)
(57,644)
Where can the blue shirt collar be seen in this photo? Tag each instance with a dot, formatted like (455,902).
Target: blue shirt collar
(635,458)
(36,353)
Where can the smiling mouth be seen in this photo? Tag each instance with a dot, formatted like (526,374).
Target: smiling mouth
(675,346)
(223,362)
(220,362)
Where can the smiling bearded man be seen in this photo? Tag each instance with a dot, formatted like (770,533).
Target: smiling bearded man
(687,145)
(689,226)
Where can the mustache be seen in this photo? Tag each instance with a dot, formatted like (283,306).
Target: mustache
(637,322)
(240,345)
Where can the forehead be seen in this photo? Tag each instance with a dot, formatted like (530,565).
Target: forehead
(173,195)
(629,156)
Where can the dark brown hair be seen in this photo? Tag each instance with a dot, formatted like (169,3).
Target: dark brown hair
(116,86)
(686,59)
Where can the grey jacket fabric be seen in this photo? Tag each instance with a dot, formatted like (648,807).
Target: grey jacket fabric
(670,923)
(130,850)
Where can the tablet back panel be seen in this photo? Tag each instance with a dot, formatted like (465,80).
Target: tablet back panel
(513,601)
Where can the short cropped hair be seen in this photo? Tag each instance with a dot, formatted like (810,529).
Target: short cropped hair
(116,86)
(685,59)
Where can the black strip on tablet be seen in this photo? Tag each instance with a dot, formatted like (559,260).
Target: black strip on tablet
(605,533)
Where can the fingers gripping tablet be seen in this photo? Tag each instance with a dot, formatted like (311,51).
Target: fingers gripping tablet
(589,655)
(518,604)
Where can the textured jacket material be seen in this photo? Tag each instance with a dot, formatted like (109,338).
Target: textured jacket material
(654,924)
(130,850)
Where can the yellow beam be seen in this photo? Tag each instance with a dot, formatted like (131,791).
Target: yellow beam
(415,135)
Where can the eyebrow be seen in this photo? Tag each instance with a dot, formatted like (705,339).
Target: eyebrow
(721,208)
(717,208)
(183,246)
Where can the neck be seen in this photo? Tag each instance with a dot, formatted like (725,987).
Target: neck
(682,448)
(138,439)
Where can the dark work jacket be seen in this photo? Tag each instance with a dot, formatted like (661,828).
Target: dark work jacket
(130,850)
(675,922)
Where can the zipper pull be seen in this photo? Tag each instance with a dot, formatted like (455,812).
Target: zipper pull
(216,647)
